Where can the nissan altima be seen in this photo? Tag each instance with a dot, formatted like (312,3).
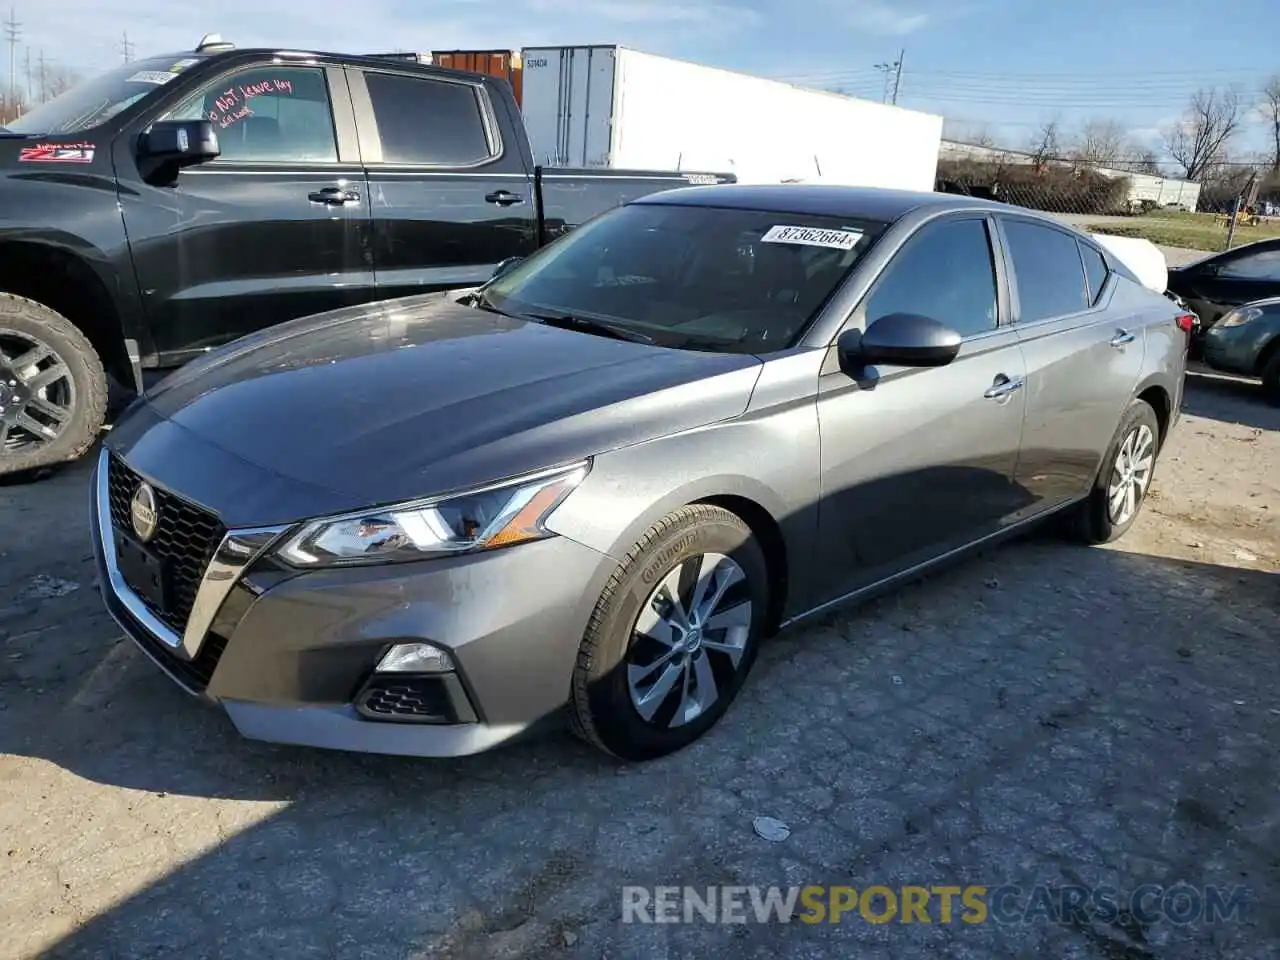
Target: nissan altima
(587,489)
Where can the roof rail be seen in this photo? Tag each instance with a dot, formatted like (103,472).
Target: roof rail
(402,55)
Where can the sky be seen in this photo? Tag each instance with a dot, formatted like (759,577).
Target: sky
(1003,66)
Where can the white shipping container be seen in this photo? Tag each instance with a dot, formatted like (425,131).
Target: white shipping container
(610,106)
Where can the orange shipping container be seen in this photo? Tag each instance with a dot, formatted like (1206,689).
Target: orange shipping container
(495,63)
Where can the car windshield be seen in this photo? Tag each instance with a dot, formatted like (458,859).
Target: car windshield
(98,100)
(731,280)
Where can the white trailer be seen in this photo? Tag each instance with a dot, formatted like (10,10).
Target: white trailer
(610,106)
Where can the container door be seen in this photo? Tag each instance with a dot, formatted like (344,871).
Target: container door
(568,104)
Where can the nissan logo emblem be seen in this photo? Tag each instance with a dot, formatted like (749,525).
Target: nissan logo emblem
(143,512)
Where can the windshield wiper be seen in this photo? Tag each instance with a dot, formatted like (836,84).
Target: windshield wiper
(569,321)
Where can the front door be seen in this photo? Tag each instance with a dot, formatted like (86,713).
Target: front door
(449,199)
(919,461)
(1218,286)
(277,227)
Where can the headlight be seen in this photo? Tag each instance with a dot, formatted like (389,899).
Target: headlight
(495,516)
(1240,315)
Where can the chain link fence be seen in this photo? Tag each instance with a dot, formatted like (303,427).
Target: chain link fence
(1125,198)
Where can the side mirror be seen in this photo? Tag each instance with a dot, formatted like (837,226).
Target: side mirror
(901,339)
(505,267)
(170,145)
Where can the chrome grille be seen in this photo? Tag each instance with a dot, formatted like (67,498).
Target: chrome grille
(185,539)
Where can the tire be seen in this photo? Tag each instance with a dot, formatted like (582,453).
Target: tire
(1093,521)
(1271,379)
(30,435)
(616,676)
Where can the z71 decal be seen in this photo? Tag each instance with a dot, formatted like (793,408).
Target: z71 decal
(58,153)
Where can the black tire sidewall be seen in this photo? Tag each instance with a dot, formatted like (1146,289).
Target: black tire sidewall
(616,723)
(1271,379)
(87,375)
(1102,529)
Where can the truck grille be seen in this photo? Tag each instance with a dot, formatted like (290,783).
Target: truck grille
(184,541)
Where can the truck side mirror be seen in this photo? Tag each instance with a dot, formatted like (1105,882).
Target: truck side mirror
(169,145)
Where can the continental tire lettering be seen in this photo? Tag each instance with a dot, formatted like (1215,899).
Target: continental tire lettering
(666,557)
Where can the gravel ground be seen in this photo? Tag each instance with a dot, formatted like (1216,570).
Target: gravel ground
(1045,713)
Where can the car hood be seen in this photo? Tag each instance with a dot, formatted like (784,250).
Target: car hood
(413,397)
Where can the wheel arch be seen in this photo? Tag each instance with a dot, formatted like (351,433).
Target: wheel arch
(65,281)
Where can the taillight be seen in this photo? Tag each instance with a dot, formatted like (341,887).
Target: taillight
(1186,322)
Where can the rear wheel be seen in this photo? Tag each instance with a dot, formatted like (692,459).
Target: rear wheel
(1124,480)
(673,635)
(53,389)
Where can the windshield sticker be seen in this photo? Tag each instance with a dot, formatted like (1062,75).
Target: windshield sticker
(702,178)
(151,76)
(58,153)
(813,237)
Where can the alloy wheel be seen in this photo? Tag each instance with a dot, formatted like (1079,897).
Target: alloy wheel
(37,394)
(688,640)
(1131,474)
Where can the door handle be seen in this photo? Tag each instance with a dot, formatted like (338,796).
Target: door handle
(503,198)
(334,196)
(1121,338)
(1004,386)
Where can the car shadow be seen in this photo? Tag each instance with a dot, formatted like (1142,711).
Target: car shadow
(515,852)
(1229,399)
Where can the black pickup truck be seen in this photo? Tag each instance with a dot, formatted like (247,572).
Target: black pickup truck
(178,202)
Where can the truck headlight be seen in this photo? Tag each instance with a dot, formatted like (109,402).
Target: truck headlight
(499,515)
(1240,315)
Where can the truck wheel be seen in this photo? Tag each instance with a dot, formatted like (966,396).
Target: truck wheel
(673,636)
(53,389)
(1271,378)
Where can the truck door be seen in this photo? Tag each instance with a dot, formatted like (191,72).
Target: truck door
(449,192)
(277,227)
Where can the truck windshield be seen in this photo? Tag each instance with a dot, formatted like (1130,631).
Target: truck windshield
(98,100)
(730,280)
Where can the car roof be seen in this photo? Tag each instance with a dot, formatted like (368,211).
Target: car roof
(870,203)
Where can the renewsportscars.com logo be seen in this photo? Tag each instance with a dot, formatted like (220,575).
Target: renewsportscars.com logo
(1179,904)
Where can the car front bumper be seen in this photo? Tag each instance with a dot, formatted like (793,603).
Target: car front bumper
(1235,349)
(291,656)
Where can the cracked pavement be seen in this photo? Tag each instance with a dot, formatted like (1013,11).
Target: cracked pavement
(1042,713)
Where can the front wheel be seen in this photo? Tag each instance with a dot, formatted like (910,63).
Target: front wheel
(1124,480)
(1271,379)
(53,390)
(673,636)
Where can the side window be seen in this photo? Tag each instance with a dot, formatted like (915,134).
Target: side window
(1047,268)
(1263,265)
(944,272)
(1095,271)
(273,114)
(428,121)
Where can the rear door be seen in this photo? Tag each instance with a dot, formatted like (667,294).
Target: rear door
(277,227)
(450,196)
(918,461)
(1083,358)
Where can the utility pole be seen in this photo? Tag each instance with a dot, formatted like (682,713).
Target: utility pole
(12,31)
(44,77)
(894,71)
(26,69)
(126,47)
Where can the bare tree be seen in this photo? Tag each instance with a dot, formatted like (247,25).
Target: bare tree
(1200,139)
(1147,162)
(1101,142)
(1046,143)
(1271,111)
(12,106)
(58,80)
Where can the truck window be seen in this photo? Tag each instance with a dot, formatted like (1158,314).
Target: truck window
(268,114)
(428,122)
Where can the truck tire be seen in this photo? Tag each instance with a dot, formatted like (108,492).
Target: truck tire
(53,388)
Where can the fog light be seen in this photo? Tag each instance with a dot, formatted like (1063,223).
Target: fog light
(415,658)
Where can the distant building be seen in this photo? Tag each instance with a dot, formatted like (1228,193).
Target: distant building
(1162,191)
